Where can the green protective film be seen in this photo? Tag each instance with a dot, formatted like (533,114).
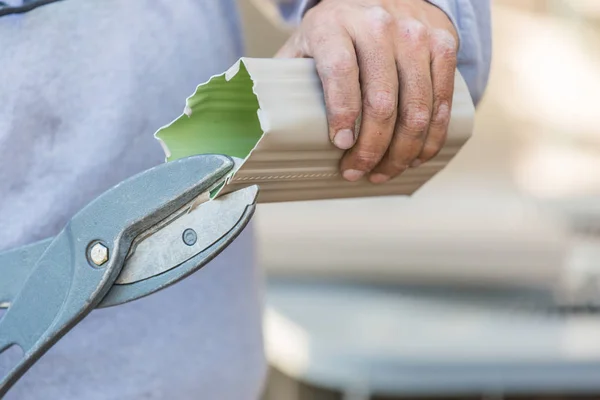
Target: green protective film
(220,118)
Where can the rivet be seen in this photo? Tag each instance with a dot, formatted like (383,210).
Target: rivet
(189,237)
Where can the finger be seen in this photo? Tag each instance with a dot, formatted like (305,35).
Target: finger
(443,67)
(335,59)
(413,59)
(379,78)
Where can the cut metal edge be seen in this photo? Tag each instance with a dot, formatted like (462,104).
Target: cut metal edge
(273,142)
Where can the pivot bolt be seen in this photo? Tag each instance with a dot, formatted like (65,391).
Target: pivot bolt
(99,254)
(189,237)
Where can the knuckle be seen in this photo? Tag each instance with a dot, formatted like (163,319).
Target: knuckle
(403,155)
(343,62)
(342,106)
(381,104)
(443,43)
(430,150)
(442,115)
(448,55)
(378,19)
(397,163)
(416,118)
(413,31)
(365,160)
(343,113)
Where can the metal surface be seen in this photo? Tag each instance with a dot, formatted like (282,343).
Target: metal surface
(15,267)
(165,249)
(120,294)
(189,237)
(98,254)
(294,159)
(18,264)
(62,287)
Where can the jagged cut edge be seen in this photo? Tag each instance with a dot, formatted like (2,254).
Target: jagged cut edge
(261,114)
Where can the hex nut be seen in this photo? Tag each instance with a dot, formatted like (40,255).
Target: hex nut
(99,254)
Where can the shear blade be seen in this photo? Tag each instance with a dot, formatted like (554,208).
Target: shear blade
(190,233)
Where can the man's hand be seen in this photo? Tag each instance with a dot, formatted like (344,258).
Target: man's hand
(394,60)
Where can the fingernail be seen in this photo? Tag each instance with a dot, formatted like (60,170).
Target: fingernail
(344,139)
(415,163)
(352,175)
(379,178)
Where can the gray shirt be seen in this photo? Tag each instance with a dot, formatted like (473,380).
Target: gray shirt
(83,85)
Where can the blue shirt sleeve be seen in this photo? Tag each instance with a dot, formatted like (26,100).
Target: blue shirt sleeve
(471,18)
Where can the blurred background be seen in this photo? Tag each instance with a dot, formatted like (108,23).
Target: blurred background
(484,284)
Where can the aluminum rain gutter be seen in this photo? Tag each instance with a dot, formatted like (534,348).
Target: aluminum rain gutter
(270,113)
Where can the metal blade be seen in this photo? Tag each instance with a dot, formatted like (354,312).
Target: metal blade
(216,224)
(193,231)
(68,281)
(239,204)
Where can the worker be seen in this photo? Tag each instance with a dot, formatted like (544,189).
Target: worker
(84,84)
